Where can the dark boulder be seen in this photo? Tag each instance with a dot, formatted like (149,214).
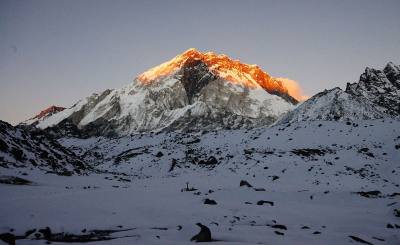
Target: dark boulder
(262,202)
(204,234)
(245,183)
(282,227)
(210,202)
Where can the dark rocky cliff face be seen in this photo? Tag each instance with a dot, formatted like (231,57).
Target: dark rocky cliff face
(381,87)
(195,76)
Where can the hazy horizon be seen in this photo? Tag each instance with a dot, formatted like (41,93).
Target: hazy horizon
(57,52)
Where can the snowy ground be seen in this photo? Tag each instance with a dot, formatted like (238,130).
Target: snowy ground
(310,171)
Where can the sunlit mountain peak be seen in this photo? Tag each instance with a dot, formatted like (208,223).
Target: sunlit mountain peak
(231,70)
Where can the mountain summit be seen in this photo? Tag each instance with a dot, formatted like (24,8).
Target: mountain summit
(193,91)
(224,67)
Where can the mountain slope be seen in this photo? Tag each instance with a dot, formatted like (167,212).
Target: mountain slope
(376,95)
(193,91)
(333,105)
(20,148)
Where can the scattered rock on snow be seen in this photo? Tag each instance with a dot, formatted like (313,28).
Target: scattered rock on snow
(357,239)
(369,194)
(378,238)
(8,238)
(245,183)
(262,202)
(13,180)
(396,212)
(274,177)
(211,161)
(282,227)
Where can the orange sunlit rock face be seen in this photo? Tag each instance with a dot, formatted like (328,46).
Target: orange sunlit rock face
(231,70)
(51,109)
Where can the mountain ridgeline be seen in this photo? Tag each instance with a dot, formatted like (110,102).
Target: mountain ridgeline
(376,95)
(205,91)
(193,91)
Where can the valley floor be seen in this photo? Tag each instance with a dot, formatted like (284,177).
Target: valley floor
(316,181)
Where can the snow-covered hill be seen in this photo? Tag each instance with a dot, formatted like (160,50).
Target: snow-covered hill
(26,150)
(376,95)
(193,91)
(333,105)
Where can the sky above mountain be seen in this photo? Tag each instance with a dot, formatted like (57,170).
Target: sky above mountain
(57,52)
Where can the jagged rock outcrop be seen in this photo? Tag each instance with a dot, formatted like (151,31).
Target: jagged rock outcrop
(376,95)
(381,87)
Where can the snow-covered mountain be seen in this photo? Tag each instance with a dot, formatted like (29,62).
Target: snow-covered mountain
(317,180)
(192,91)
(20,148)
(376,95)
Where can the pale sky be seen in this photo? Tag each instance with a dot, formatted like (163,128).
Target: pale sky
(57,52)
